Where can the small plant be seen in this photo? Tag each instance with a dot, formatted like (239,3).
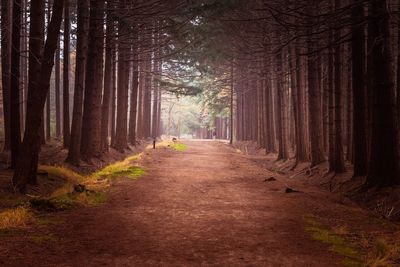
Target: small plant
(385,210)
(15,218)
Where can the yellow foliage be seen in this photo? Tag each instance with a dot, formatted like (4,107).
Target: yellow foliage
(14,218)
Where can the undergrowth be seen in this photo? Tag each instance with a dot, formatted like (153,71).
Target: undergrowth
(85,190)
(170,144)
(63,172)
(78,190)
(179,147)
(14,218)
(383,253)
(335,242)
(372,252)
(120,169)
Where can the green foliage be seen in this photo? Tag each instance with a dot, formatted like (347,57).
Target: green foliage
(67,196)
(335,242)
(180,89)
(179,147)
(120,169)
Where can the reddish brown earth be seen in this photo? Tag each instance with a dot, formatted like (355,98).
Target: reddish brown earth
(207,206)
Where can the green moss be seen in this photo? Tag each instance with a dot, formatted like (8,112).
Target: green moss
(66,197)
(69,201)
(336,243)
(179,147)
(78,199)
(121,169)
(92,198)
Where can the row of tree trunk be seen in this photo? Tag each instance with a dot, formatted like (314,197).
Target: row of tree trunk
(116,98)
(321,96)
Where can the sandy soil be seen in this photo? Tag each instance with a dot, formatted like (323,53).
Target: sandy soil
(207,206)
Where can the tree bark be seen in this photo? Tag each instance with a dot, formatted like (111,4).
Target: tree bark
(15,83)
(383,169)
(314,108)
(36,101)
(91,129)
(66,122)
(36,43)
(359,95)
(134,95)
(57,89)
(105,109)
(339,159)
(81,58)
(121,137)
(6,35)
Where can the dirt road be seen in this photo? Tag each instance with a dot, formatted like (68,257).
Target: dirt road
(207,206)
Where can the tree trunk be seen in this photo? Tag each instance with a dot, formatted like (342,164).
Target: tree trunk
(91,129)
(66,122)
(15,85)
(281,129)
(81,58)
(383,161)
(57,90)
(113,98)
(359,95)
(36,101)
(36,43)
(301,151)
(134,95)
(339,159)
(314,108)
(121,138)
(6,35)
(105,109)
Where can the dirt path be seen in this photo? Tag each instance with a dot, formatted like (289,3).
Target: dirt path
(207,206)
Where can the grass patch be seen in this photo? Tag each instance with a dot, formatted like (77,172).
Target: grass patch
(179,147)
(69,201)
(15,218)
(91,198)
(169,144)
(336,242)
(383,254)
(120,169)
(75,190)
(66,196)
(365,249)
(59,171)
(130,172)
